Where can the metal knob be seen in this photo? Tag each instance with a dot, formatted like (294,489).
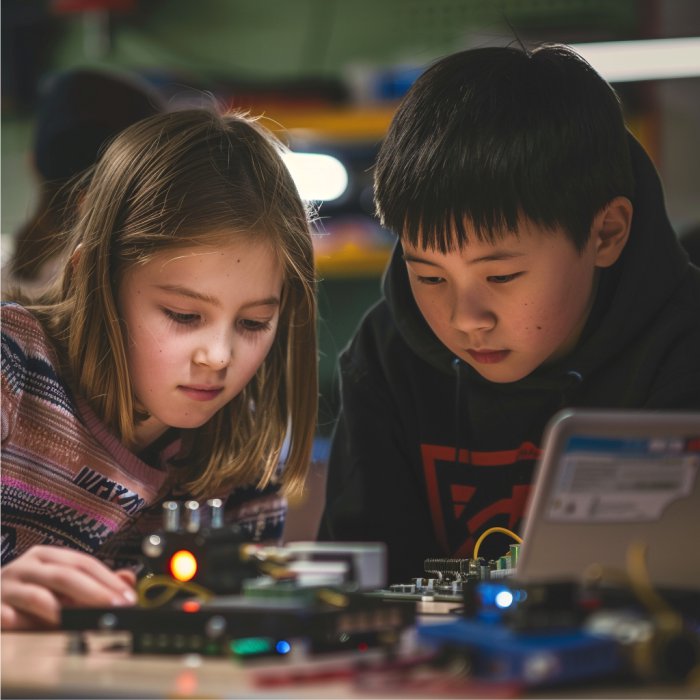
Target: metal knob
(171,516)
(192,516)
(216,509)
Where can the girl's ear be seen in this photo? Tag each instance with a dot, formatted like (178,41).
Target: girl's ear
(611,229)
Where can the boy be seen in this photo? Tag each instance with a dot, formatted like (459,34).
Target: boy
(535,269)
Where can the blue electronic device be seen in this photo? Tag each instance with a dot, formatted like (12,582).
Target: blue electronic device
(500,654)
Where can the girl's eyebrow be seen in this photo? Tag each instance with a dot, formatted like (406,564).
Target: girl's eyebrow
(268,301)
(187,292)
(208,299)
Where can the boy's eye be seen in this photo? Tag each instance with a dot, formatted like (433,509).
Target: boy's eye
(502,279)
(184,319)
(430,280)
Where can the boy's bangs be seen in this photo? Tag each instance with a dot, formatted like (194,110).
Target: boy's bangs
(444,229)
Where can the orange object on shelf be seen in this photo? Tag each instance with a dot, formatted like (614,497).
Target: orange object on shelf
(332,122)
(351,260)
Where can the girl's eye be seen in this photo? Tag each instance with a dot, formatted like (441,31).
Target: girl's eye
(502,279)
(251,326)
(430,280)
(183,319)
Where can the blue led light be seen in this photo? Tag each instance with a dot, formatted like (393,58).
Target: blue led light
(503,599)
(490,591)
(283,647)
(496,598)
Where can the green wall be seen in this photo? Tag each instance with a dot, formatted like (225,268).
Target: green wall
(208,40)
(292,38)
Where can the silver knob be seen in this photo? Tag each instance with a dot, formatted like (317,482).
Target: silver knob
(192,516)
(216,508)
(171,516)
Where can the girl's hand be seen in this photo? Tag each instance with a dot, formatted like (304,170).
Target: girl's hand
(39,582)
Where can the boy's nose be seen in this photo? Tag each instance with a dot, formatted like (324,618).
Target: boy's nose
(469,313)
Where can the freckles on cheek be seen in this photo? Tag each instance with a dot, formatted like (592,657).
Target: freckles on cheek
(532,321)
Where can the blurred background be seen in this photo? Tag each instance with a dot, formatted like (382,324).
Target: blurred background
(327,75)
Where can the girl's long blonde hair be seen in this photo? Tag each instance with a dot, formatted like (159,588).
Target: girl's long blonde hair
(175,180)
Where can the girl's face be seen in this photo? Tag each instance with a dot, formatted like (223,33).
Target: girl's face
(199,322)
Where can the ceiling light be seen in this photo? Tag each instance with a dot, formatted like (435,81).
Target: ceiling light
(318,176)
(654,59)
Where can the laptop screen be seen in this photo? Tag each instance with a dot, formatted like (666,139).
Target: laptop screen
(610,481)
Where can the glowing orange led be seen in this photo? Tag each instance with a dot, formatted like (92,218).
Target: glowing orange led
(183,565)
(191,606)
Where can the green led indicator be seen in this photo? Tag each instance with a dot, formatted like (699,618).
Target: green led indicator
(248,646)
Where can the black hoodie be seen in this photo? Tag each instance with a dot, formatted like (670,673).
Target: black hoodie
(407,404)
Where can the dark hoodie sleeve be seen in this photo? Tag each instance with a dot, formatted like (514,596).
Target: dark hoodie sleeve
(676,374)
(374,490)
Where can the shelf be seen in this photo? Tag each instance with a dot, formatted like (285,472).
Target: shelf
(351,260)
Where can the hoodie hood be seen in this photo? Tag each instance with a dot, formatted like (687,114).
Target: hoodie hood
(625,301)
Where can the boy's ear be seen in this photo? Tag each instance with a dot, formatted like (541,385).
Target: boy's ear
(611,229)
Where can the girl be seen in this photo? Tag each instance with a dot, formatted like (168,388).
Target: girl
(171,361)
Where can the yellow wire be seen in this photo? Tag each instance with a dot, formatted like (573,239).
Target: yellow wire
(596,573)
(490,531)
(640,582)
(334,598)
(276,571)
(171,588)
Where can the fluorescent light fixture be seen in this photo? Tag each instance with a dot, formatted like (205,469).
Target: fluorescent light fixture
(654,59)
(318,176)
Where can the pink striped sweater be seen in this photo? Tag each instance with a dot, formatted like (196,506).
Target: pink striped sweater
(66,480)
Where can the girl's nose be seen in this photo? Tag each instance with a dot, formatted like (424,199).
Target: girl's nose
(216,352)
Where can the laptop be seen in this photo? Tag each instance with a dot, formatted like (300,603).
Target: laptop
(617,489)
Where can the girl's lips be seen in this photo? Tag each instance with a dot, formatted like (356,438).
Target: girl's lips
(489,357)
(201,393)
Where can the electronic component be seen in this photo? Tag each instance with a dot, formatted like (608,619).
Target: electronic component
(497,653)
(655,647)
(445,579)
(562,631)
(208,590)
(195,546)
(246,626)
(552,605)
(530,635)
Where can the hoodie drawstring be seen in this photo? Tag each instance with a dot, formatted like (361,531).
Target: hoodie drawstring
(573,381)
(457,366)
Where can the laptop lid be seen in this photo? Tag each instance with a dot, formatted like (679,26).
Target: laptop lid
(608,482)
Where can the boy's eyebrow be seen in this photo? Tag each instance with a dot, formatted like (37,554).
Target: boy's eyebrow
(496,255)
(208,299)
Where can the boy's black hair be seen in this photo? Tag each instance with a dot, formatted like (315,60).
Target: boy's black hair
(485,135)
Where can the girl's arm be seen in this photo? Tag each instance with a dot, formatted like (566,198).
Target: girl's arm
(45,578)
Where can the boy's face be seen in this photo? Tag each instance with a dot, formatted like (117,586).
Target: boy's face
(509,307)
(199,322)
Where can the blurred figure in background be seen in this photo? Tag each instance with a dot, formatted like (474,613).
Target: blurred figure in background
(79,112)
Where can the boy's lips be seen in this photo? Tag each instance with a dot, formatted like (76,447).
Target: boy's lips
(200,392)
(489,357)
